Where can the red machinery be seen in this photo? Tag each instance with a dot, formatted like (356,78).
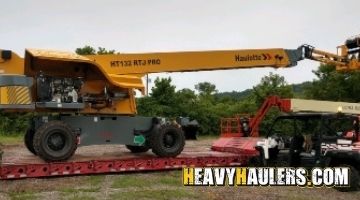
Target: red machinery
(249,126)
(240,134)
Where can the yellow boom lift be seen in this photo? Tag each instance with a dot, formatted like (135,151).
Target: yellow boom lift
(88,100)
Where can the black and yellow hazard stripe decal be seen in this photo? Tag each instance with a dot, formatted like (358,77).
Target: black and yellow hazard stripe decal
(18,95)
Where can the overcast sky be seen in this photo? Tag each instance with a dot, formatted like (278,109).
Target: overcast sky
(180,25)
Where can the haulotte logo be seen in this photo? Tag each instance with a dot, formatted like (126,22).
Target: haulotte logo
(266,176)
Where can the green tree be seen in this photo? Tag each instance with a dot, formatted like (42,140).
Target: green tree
(206,92)
(14,123)
(89,50)
(165,101)
(162,100)
(102,51)
(164,91)
(206,88)
(86,50)
(147,106)
(333,85)
(272,84)
(186,101)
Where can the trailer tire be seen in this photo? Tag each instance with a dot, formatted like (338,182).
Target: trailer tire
(354,180)
(55,141)
(29,140)
(167,141)
(137,149)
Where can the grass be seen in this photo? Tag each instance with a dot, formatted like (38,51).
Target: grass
(155,194)
(76,190)
(76,196)
(95,180)
(83,188)
(90,184)
(129,180)
(11,139)
(172,178)
(22,196)
(158,185)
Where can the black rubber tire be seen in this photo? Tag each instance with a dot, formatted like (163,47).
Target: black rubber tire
(137,149)
(161,147)
(354,180)
(28,140)
(63,134)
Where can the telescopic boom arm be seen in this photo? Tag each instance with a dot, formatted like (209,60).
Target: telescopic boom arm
(196,61)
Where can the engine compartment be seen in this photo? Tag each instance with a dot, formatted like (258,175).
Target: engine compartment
(75,93)
(59,90)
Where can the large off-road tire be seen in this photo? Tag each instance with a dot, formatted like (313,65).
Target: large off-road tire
(137,149)
(354,180)
(28,140)
(55,141)
(167,141)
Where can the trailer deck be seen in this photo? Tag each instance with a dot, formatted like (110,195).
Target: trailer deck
(18,162)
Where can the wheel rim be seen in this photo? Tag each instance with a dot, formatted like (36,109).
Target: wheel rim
(169,139)
(56,141)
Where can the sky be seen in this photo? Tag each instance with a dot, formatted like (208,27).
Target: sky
(130,26)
